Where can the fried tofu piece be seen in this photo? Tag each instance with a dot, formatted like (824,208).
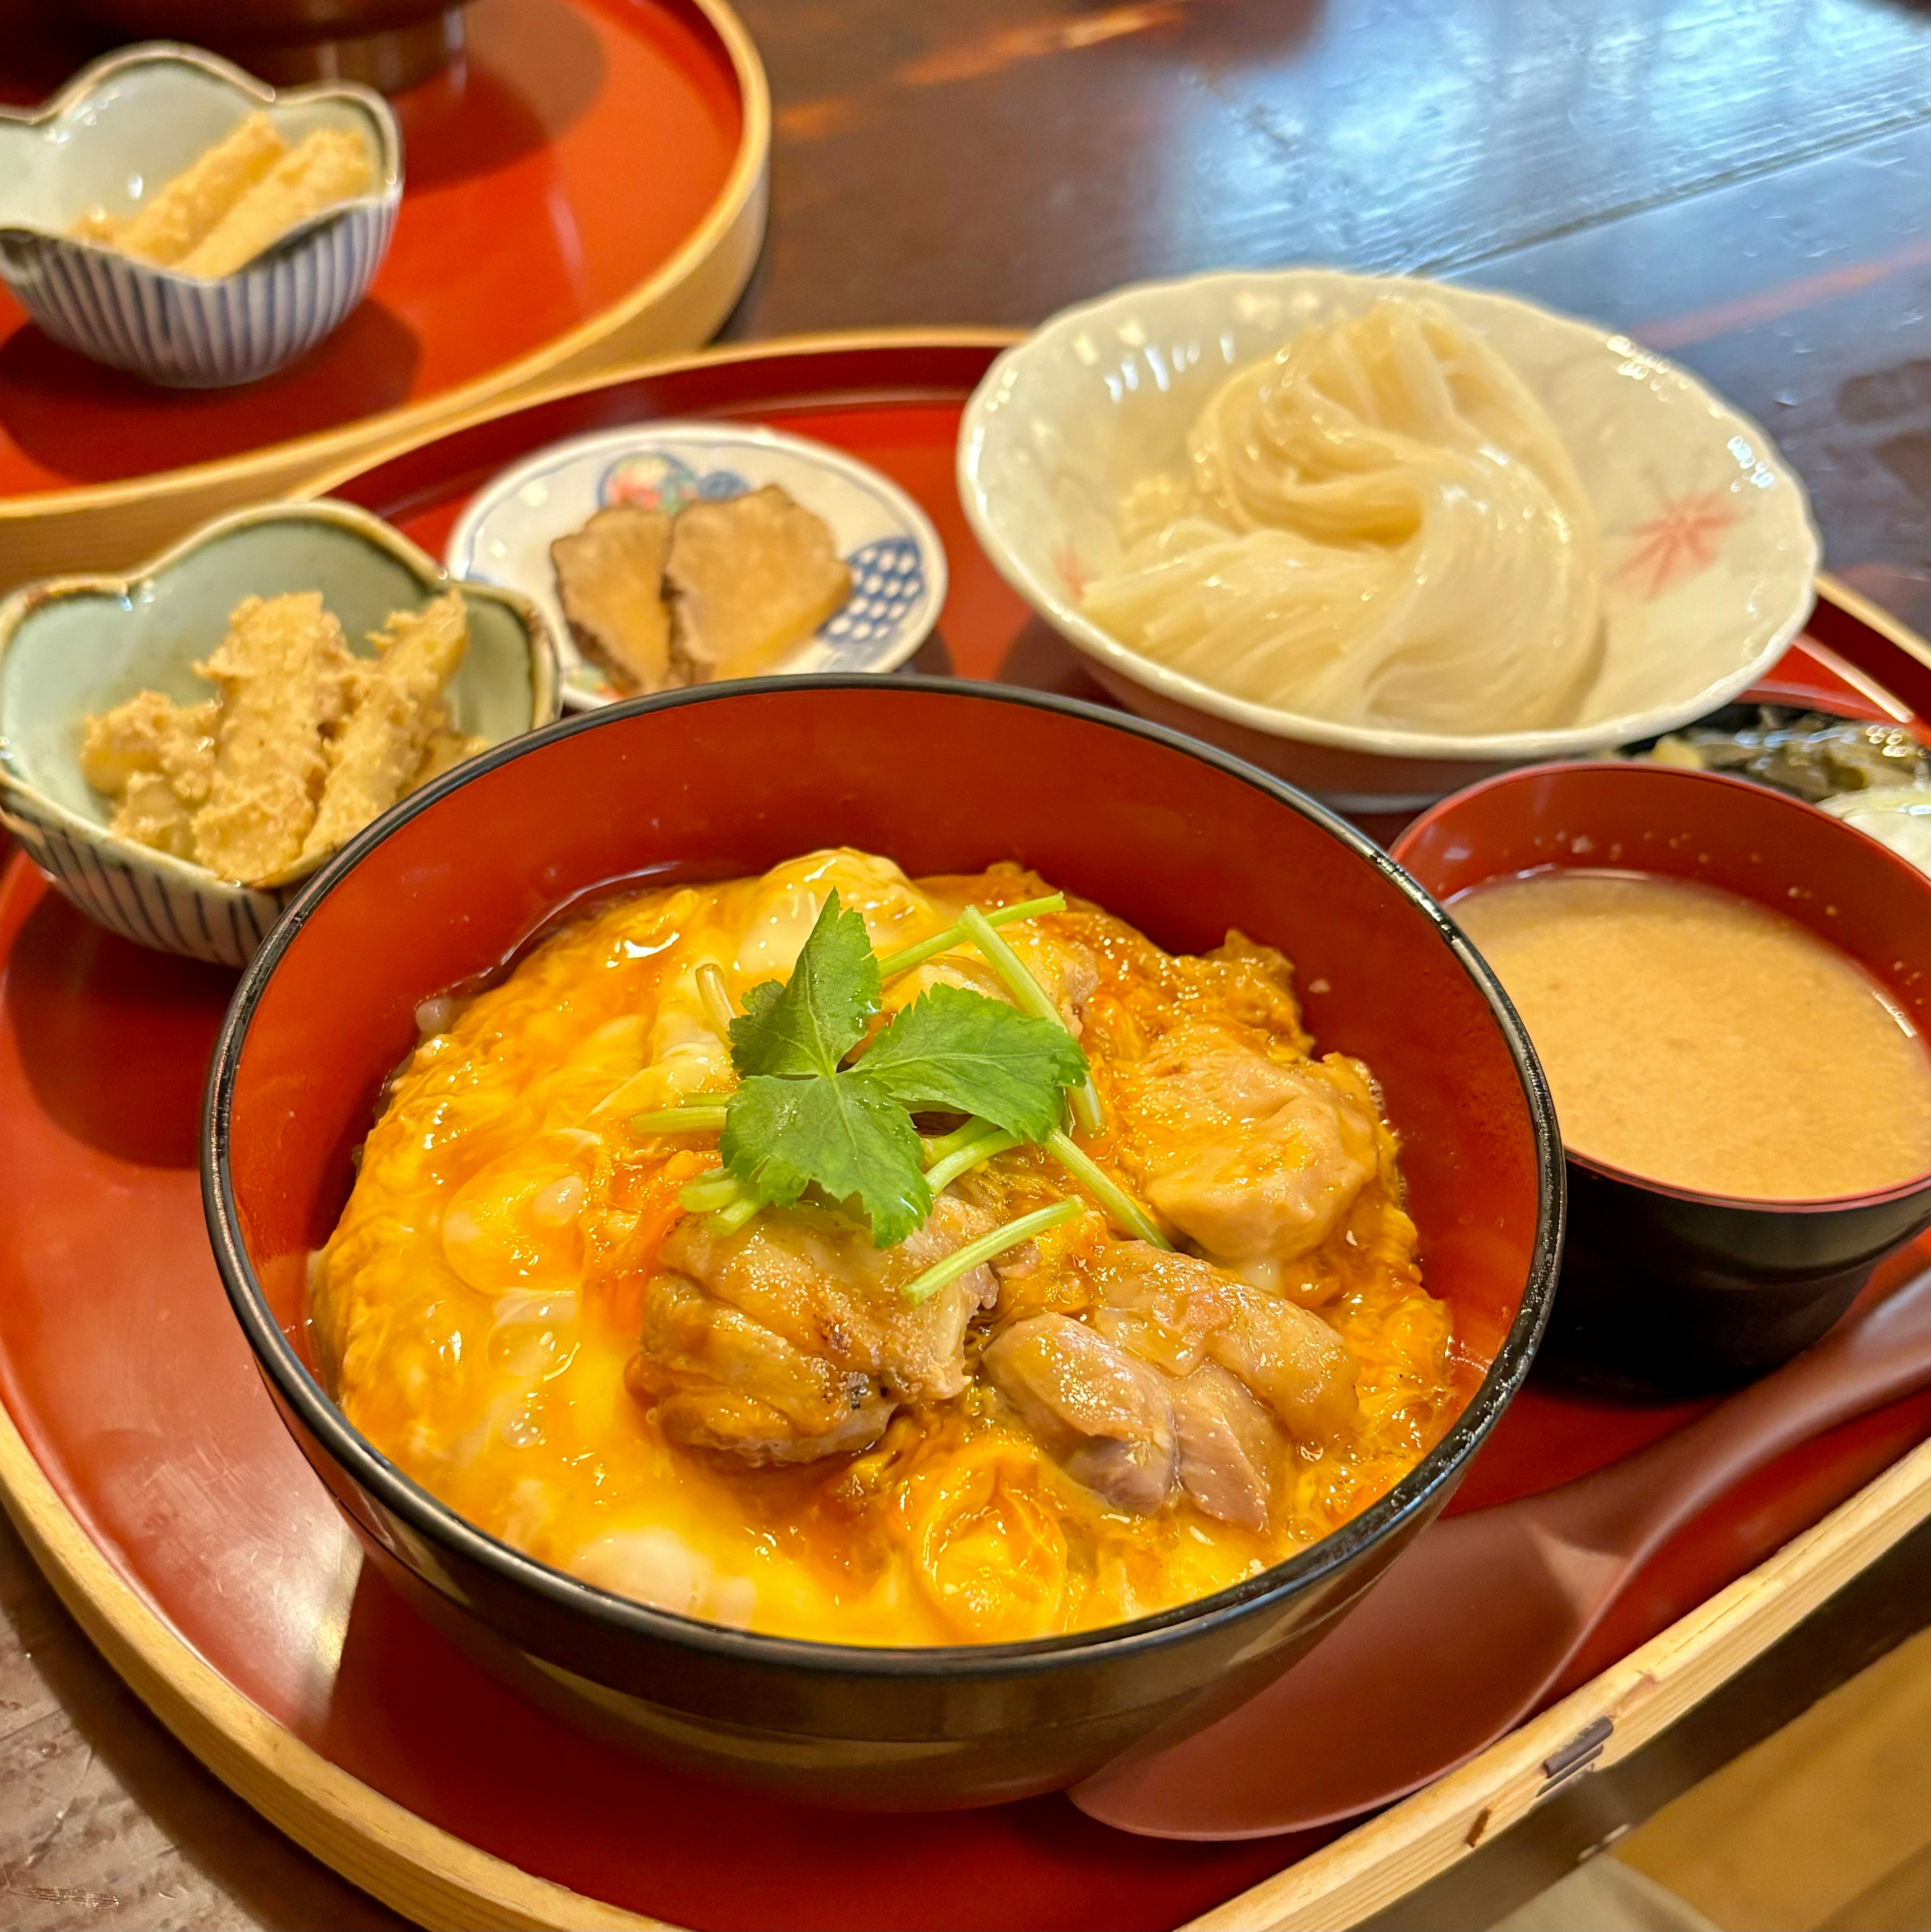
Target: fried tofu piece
(150,812)
(189,209)
(150,735)
(398,711)
(330,166)
(609,577)
(751,577)
(285,673)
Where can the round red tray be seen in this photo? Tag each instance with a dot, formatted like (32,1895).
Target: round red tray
(585,183)
(145,1463)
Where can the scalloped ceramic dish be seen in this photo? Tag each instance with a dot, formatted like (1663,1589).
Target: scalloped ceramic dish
(897,562)
(1709,550)
(76,645)
(116,133)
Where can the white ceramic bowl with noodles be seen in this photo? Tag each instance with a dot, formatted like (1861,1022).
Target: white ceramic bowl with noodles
(78,645)
(119,130)
(897,562)
(1708,552)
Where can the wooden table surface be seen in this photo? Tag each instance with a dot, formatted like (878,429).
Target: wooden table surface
(1743,184)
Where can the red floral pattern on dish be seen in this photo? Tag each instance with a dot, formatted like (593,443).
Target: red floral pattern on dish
(1679,542)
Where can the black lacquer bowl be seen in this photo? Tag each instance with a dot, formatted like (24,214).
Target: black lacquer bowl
(1180,841)
(1665,1287)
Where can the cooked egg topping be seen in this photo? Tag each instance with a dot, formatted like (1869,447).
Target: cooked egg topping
(749,1421)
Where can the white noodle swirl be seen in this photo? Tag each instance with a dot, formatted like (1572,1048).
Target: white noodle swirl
(1381,527)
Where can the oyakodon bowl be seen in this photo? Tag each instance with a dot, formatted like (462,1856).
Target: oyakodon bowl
(941,776)
(1667,1287)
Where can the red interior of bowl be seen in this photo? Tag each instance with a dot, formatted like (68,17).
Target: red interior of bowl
(1700,825)
(1696,826)
(941,781)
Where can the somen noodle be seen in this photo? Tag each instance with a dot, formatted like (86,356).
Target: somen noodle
(1381,525)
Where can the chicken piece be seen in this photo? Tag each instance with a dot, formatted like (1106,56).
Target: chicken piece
(331,166)
(1292,1360)
(1064,967)
(285,673)
(1160,1307)
(1255,1158)
(720,1380)
(751,577)
(397,709)
(151,733)
(1178,1311)
(1230,1451)
(790,1339)
(187,209)
(1062,964)
(609,580)
(1105,1418)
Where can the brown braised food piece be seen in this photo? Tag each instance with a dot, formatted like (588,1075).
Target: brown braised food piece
(610,577)
(750,578)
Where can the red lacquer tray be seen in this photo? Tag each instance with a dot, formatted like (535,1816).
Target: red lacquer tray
(147,1466)
(585,183)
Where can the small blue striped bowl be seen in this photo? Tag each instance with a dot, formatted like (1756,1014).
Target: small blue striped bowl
(116,132)
(76,645)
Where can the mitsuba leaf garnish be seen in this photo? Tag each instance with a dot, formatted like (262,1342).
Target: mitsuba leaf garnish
(957,1050)
(800,1119)
(807,1024)
(837,1131)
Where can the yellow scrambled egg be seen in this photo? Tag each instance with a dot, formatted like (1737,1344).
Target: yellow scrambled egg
(479,1306)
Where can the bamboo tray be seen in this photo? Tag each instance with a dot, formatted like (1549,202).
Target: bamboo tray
(155,1482)
(587,185)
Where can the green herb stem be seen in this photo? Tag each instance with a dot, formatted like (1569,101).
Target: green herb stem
(1033,998)
(963,1260)
(975,1154)
(938,1145)
(895,963)
(717,998)
(729,1220)
(703,1114)
(713,1190)
(1126,1212)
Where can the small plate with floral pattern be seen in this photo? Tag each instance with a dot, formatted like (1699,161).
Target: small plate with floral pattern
(897,562)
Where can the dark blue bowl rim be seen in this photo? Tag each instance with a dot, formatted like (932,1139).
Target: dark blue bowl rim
(441,1526)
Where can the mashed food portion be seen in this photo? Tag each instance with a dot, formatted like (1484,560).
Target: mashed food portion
(236,198)
(303,745)
(770,1252)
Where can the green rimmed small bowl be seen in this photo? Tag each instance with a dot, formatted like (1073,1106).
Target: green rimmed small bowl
(73,645)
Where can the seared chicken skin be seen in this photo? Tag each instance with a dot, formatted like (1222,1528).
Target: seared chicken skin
(790,1339)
